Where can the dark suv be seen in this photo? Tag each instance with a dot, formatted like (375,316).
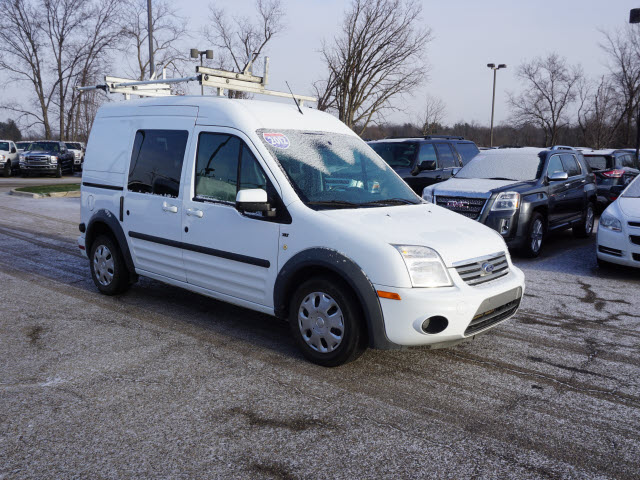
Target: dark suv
(613,168)
(426,160)
(46,156)
(523,193)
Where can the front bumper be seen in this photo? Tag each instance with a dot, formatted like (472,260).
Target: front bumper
(616,247)
(38,168)
(459,305)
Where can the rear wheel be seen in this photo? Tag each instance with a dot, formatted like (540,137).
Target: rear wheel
(326,322)
(108,269)
(585,229)
(535,236)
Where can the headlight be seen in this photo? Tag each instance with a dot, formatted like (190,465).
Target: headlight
(506,201)
(21,157)
(427,195)
(1,158)
(53,159)
(425,266)
(611,223)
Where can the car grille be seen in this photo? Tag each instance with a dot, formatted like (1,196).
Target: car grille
(493,316)
(610,251)
(469,207)
(40,160)
(482,270)
(635,239)
(634,224)
(636,257)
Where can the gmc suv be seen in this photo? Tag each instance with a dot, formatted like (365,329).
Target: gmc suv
(613,168)
(426,160)
(523,193)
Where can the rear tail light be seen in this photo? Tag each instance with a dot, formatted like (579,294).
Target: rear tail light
(613,173)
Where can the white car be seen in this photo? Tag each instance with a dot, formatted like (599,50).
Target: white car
(238,200)
(619,229)
(9,160)
(77,148)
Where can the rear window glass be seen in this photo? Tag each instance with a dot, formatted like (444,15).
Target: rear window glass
(396,154)
(598,162)
(156,162)
(467,151)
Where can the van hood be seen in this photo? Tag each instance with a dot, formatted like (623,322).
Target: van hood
(630,206)
(453,236)
(471,187)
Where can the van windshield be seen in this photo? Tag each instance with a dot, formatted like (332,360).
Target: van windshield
(331,170)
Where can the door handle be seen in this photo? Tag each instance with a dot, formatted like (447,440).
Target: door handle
(438,177)
(169,208)
(194,212)
(567,184)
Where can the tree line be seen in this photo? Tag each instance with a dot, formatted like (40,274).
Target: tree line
(375,63)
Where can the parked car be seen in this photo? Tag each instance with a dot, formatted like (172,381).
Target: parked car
(9,162)
(426,160)
(618,237)
(230,199)
(612,168)
(77,148)
(523,194)
(46,156)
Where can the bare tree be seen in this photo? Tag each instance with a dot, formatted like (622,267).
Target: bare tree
(378,55)
(550,87)
(169,30)
(432,114)
(599,112)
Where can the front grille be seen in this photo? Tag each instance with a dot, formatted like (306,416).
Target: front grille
(469,207)
(610,251)
(482,270)
(634,224)
(37,160)
(635,239)
(496,315)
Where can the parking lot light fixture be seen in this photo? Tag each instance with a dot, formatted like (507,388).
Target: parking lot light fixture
(634,17)
(493,67)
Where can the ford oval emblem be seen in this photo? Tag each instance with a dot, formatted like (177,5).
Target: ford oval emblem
(487,267)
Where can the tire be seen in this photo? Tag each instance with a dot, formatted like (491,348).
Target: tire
(332,311)
(108,270)
(535,236)
(6,171)
(585,229)
(59,171)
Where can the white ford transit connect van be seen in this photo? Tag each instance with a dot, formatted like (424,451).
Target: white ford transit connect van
(289,214)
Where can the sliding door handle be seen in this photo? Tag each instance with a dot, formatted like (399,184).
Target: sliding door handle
(194,212)
(169,208)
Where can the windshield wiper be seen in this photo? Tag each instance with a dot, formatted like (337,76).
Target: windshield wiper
(501,178)
(334,203)
(390,201)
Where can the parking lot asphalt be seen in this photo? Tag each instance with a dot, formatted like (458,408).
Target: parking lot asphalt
(163,383)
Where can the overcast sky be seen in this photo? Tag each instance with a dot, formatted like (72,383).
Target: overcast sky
(468,35)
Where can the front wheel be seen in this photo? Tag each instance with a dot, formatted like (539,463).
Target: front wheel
(585,229)
(326,322)
(108,269)
(535,236)
(59,171)
(6,171)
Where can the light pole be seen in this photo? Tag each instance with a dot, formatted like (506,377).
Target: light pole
(493,67)
(634,17)
(195,53)
(152,65)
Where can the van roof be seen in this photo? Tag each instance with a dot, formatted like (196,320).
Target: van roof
(245,115)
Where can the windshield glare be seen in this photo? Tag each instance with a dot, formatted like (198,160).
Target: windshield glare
(330,170)
(499,165)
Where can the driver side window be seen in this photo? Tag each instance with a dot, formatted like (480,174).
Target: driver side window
(555,165)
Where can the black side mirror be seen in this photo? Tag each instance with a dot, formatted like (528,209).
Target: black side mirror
(13,149)
(427,165)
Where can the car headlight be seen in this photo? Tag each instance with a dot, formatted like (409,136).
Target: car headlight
(21,157)
(425,266)
(506,201)
(2,158)
(427,195)
(610,222)
(53,159)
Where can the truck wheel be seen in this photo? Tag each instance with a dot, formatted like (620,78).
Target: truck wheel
(535,236)
(108,269)
(585,229)
(6,171)
(59,171)
(326,322)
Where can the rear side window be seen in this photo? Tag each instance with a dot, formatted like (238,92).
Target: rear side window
(598,162)
(570,165)
(221,158)
(467,151)
(445,156)
(156,162)
(627,161)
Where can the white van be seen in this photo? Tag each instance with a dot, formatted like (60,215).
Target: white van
(290,214)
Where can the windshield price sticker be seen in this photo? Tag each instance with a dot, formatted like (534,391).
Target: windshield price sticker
(278,140)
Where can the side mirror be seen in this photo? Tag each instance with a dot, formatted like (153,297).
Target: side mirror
(558,176)
(427,165)
(455,171)
(13,149)
(252,200)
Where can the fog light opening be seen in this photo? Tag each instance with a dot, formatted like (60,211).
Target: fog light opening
(435,324)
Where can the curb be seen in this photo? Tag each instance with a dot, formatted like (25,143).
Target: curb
(73,194)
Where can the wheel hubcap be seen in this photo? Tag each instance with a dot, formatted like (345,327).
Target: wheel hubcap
(321,322)
(103,265)
(536,235)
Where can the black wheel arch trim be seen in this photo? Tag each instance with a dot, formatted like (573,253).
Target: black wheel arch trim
(351,273)
(111,221)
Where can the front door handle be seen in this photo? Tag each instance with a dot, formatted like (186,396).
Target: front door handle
(169,208)
(194,212)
